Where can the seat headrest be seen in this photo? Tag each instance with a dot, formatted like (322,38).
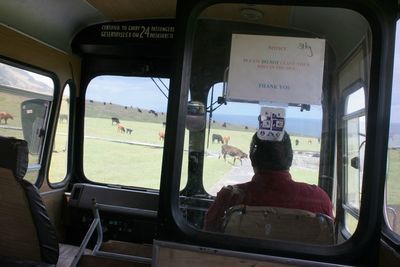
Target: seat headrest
(14,156)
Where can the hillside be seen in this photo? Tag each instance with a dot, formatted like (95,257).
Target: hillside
(97,109)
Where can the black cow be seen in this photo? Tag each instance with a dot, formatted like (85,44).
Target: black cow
(234,152)
(114,120)
(153,112)
(217,137)
(128,130)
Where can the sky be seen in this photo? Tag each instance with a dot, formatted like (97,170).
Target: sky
(129,91)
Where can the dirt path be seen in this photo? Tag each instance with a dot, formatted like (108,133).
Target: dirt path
(238,174)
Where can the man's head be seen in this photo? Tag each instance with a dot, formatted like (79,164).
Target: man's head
(271,155)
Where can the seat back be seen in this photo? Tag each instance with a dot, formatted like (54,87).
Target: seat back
(26,232)
(279,224)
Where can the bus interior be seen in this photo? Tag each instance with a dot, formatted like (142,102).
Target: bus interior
(134,115)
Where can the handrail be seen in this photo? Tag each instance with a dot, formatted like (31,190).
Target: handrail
(96,225)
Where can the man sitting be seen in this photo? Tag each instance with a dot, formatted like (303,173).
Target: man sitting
(271,185)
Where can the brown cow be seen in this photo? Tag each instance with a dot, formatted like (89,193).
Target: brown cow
(5,116)
(226,139)
(120,128)
(234,152)
(161,135)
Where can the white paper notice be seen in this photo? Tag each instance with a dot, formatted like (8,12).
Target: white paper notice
(276,69)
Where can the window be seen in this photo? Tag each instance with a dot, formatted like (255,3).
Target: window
(254,74)
(235,124)
(25,99)
(124,130)
(392,207)
(354,145)
(59,156)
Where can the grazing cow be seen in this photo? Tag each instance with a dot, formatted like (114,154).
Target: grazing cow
(128,130)
(224,125)
(139,110)
(246,128)
(5,116)
(164,123)
(217,137)
(297,142)
(161,135)
(234,152)
(309,141)
(114,120)
(120,128)
(104,103)
(91,101)
(153,112)
(126,107)
(226,139)
(63,117)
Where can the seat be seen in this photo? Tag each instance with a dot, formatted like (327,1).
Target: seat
(279,224)
(26,233)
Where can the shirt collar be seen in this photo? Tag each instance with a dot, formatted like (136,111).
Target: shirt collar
(267,175)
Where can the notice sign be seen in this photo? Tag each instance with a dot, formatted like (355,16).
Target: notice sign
(271,124)
(276,69)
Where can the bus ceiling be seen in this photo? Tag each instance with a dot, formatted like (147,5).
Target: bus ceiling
(73,16)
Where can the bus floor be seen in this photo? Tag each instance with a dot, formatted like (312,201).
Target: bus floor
(68,252)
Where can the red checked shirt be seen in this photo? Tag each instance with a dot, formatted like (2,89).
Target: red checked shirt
(273,189)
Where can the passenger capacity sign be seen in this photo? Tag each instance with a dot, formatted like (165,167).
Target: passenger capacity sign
(276,69)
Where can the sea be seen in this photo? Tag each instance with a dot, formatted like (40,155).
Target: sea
(299,126)
(294,126)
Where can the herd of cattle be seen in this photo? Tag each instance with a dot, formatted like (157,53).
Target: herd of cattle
(226,149)
(220,139)
(120,127)
(123,129)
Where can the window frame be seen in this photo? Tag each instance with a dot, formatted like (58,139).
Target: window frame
(173,227)
(42,164)
(84,99)
(388,234)
(70,135)
(344,118)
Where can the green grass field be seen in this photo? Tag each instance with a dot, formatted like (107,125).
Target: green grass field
(140,165)
(137,165)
